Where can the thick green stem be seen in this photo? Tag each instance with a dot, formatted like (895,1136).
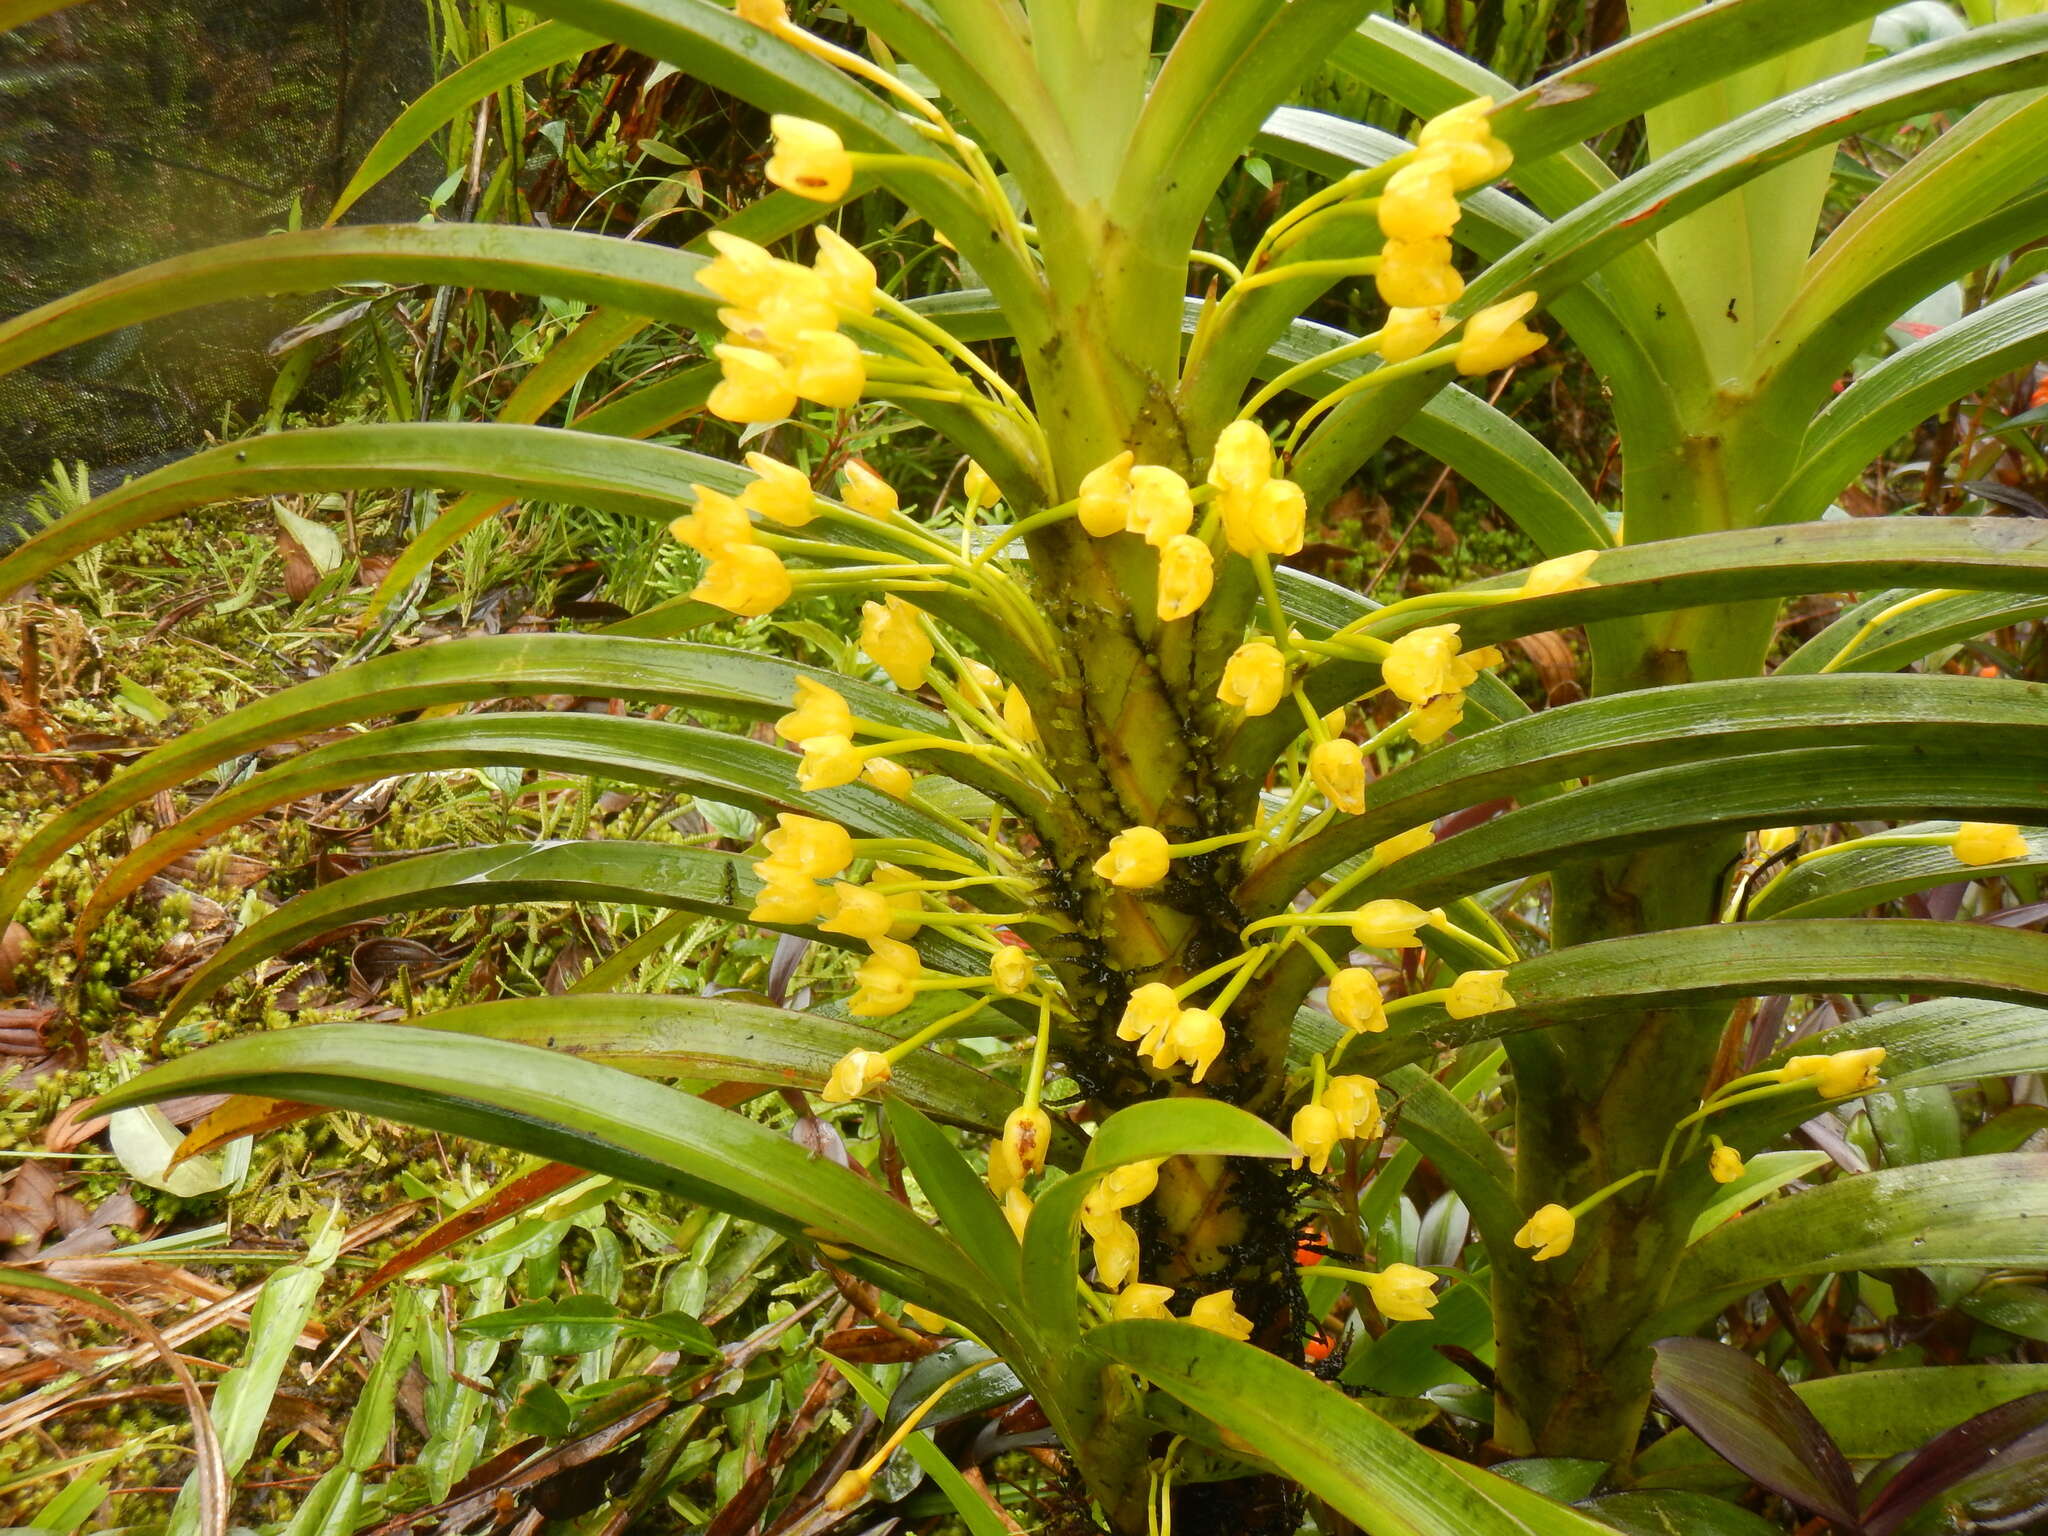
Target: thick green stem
(1594,1102)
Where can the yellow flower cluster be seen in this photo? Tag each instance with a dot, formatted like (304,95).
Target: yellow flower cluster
(1549,1232)
(808,160)
(1988,842)
(1259,512)
(783,341)
(824,727)
(1403,1293)
(1429,671)
(1217,1311)
(1418,208)
(1348,1109)
(1168,1033)
(1115,1239)
(740,575)
(1836,1076)
(1153,502)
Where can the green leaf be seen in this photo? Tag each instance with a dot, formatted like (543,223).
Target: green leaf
(2020,1310)
(1970,1211)
(1659,64)
(569,1110)
(1618,978)
(561,1325)
(1764,1174)
(722,1039)
(1907,637)
(620,749)
(1232,63)
(1676,1513)
(647,874)
(1955,206)
(1870,1414)
(508,460)
(1911,384)
(1705,570)
(1181,1127)
(242,1400)
(719,678)
(524,53)
(1667,804)
(1857,879)
(1338,1449)
(964,1205)
(637,276)
(1159,1128)
(1638,732)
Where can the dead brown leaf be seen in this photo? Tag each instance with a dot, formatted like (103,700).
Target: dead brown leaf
(301,576)
(13,950)
(1557,666)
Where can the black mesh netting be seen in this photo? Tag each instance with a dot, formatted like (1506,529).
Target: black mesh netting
(132,130)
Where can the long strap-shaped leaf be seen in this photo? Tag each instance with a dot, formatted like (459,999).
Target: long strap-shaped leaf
(1976,553)
(724,1040)
(1340,1450)
(489,667)
(1630,733)
(524,53)
(1616,978)
(1857,879)
(720,767)
(1703,45)
(1912,383)
(1862,639)
(1641,810)
(1232,64)
(507,460)
(1927,1045)
(714,43)
(571,1111)
(629,275)
(645,279)
(1972,1210)
(643,874)
(1966,68)
(1954,206)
